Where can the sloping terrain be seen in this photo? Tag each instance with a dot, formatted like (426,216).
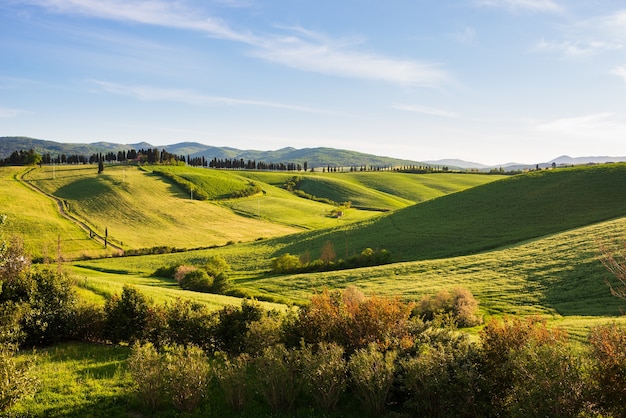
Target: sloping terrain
(486,217)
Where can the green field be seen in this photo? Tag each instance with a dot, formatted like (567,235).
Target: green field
(523,245)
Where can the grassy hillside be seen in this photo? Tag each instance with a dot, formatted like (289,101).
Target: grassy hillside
(140,209)
(35,219)
(486,217)
(377,190)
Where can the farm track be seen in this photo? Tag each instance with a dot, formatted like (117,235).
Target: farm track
(61,207)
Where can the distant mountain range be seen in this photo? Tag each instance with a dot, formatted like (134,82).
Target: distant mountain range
(315,157)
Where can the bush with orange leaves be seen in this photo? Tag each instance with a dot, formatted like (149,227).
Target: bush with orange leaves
(353,321)
(608,371)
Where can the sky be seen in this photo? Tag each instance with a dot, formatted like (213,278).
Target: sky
(488,81)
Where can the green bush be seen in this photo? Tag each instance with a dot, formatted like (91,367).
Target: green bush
(443,379)
(547,381)
(459,302)
(232,325)
(197,280)
(179,376)
(145,366)
(372,374)
(17,377)
(127,316)
(278,377)
(186,376)
(190,323)
(88,323)
(52,306)
(234,377)
(286,263)
(325,373)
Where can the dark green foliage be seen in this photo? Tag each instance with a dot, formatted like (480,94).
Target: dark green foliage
(443,378)
(52,307)
(278,376)
(547,381)
(325,373)
(197,280)
(230,331)
(372,373)
(88,323)
(190,323)
(289,263)
(127,316)
(251,190)
(212,277)
(179,375)
(234,379)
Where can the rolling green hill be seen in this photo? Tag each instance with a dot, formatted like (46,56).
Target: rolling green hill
(524,245)
(142,210)
(486,217)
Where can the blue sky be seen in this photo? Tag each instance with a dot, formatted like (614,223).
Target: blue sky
(492,81)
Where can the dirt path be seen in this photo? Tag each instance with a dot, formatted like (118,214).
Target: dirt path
(62,210)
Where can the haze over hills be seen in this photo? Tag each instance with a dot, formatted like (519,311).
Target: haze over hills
(315,157)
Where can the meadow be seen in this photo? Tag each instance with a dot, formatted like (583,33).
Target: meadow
(523,245)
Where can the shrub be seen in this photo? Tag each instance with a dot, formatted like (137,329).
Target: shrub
(547,381)
(190,323)
(186,376)
(501,342)
(262,334)
(181,271)
(443,380)
(89,322)
(17,378)
(459,302)
(145,365)
(180,375)
(372,374)
(286,263)
(197,280)
(232,325)
(278,377)
(353,321)
(325,374)
(52,303)
(127,316)
(608,357)
(233,377)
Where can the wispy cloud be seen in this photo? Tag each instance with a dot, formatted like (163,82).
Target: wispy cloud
(299,48)
(528,5)
(191,97)
(8,113)
(317,53)
(573,49)
(620,72)
(596,125)
(466,36)
(425,110)
(589,36)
